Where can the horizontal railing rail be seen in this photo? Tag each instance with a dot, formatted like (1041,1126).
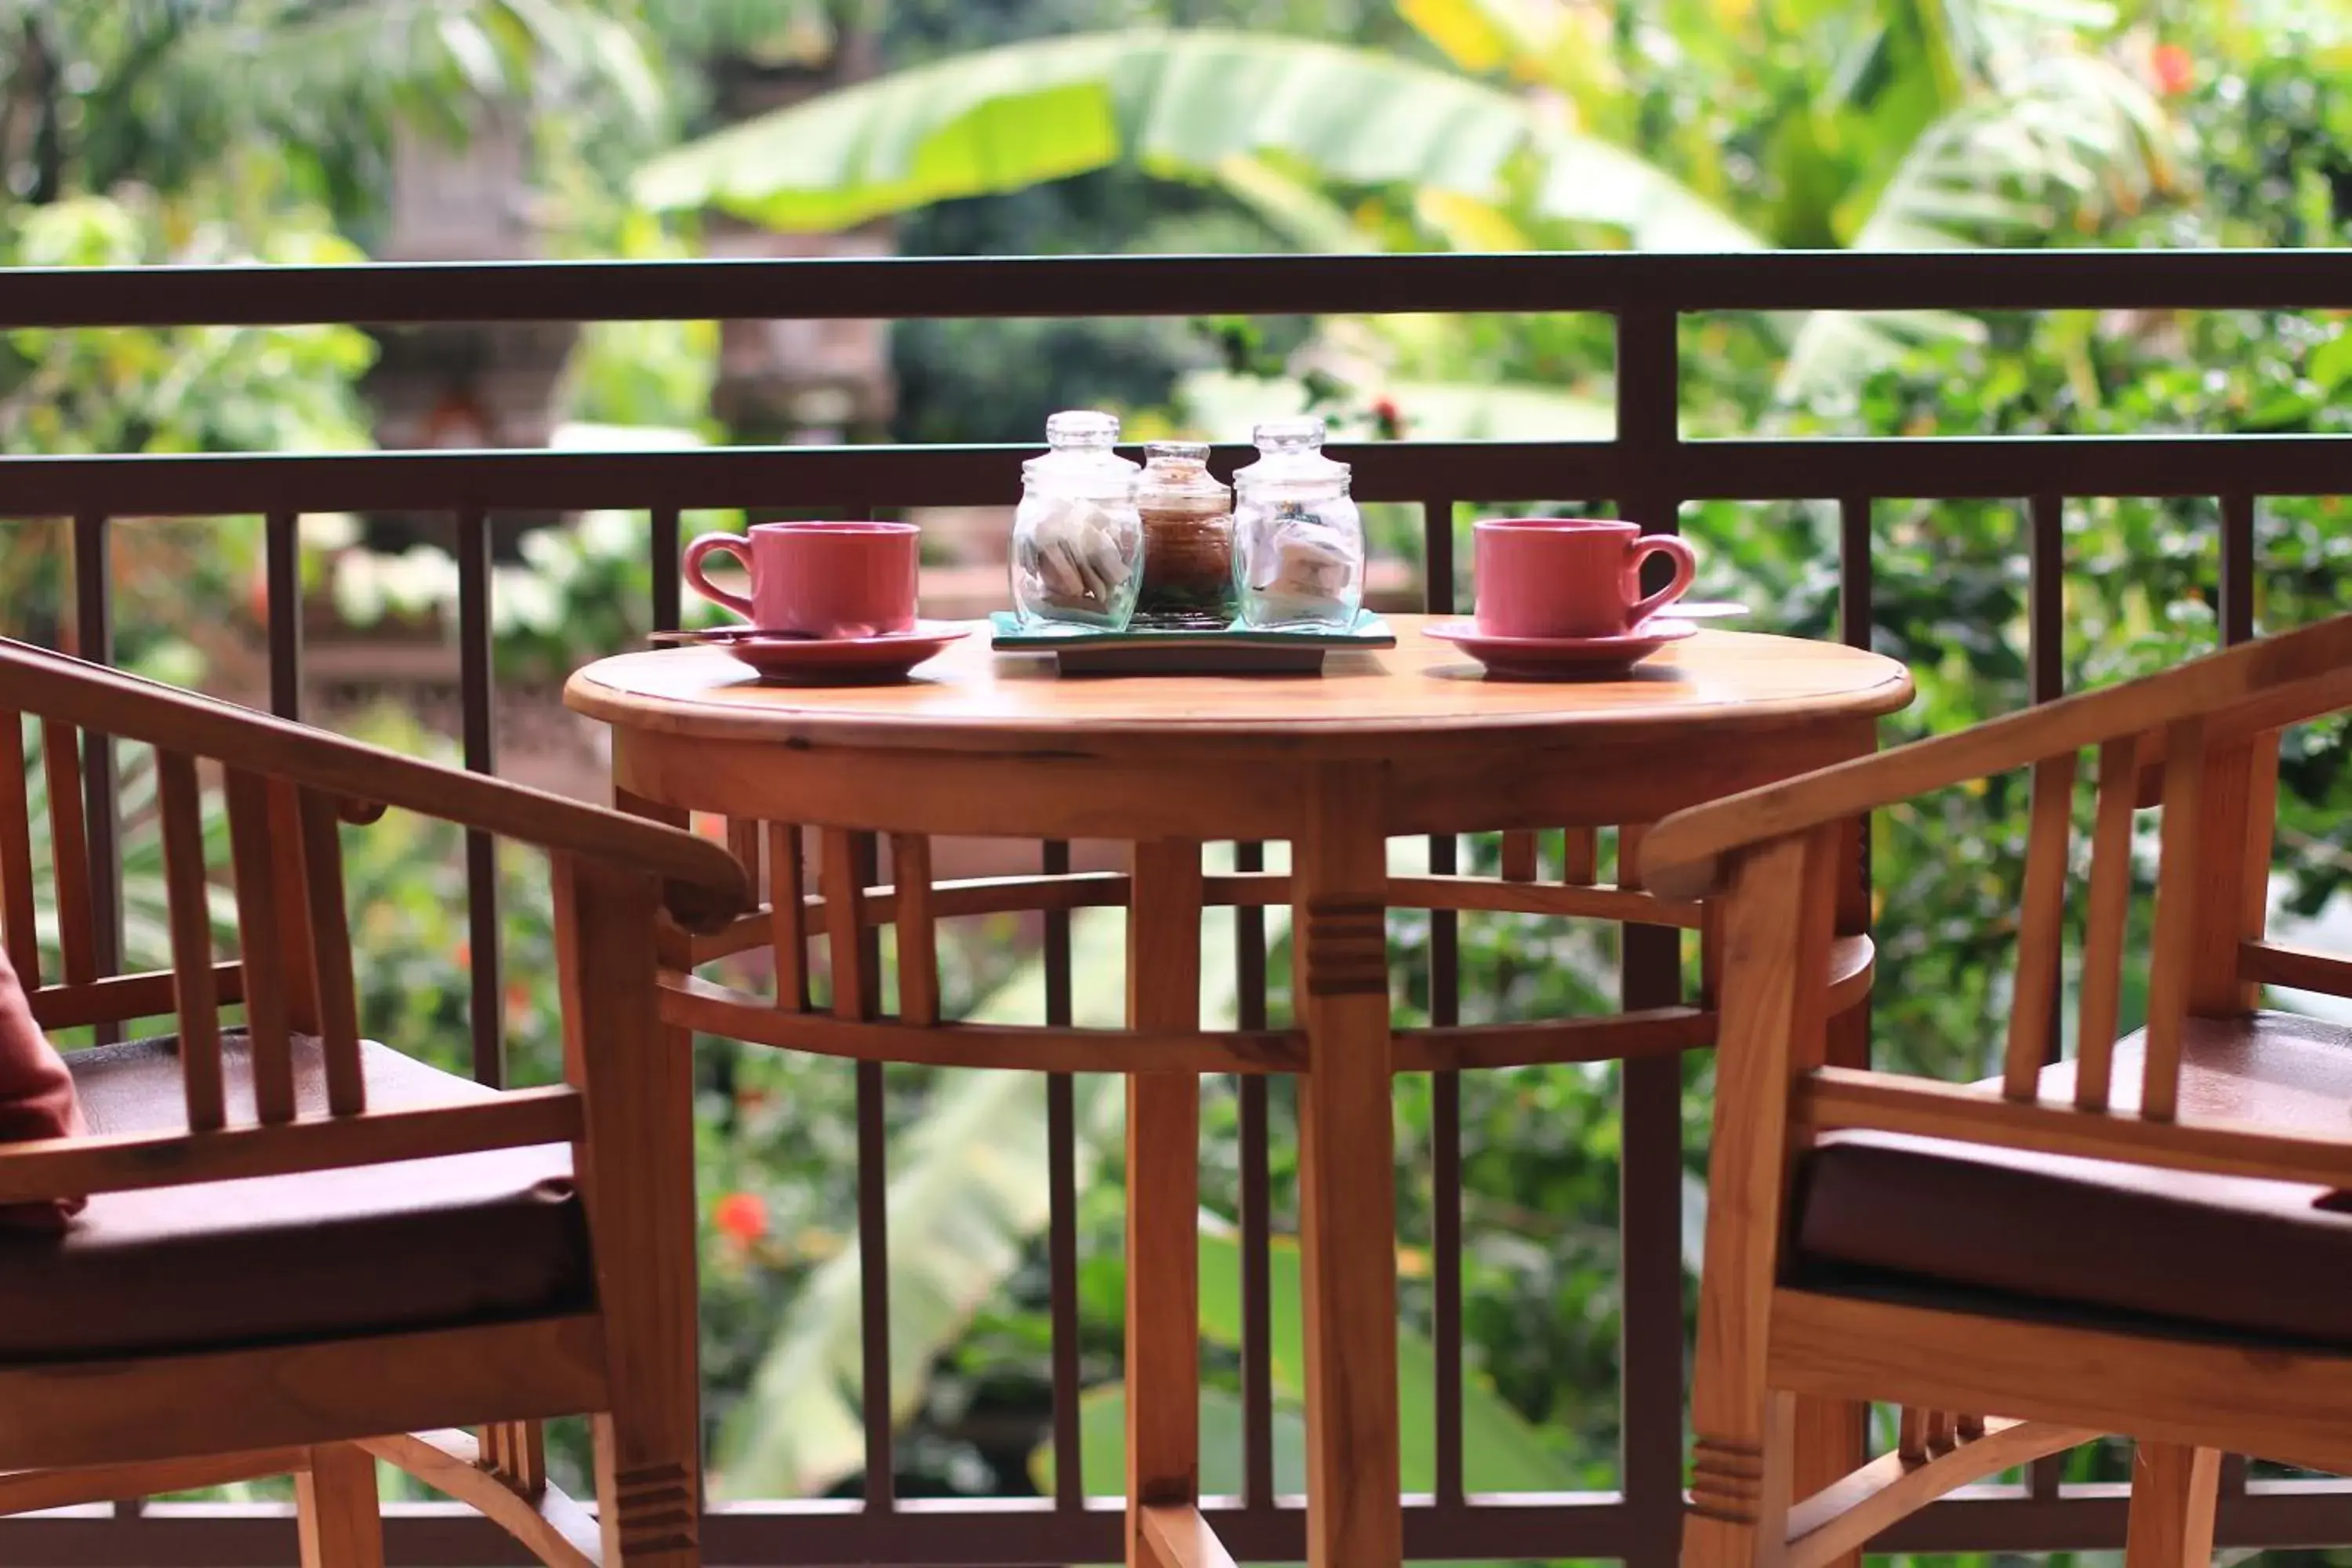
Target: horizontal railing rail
(1646,471)
(1954,467)
(915,288)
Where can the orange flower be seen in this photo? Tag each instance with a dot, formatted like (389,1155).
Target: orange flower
(2176,72)
(742,1217)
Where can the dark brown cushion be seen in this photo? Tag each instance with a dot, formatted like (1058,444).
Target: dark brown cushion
(421,1244)
(2232,1254)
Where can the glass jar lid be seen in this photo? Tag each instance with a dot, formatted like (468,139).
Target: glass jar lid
(1290,452)
(1081,458)
(1177,454)
(1177,475)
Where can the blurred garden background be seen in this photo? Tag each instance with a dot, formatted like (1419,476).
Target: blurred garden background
(326,130)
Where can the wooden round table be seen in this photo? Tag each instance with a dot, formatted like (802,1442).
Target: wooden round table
(1410,740)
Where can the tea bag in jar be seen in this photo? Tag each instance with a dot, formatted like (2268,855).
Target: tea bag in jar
(1073,552)
(1078,540)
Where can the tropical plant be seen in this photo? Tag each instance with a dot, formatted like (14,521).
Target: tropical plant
(1942,124)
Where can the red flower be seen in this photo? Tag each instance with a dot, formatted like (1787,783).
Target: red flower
(742,1217)
(2176,72)
(1388,419)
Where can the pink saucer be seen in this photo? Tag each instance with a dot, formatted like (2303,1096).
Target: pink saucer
(1562,659)
(827,661)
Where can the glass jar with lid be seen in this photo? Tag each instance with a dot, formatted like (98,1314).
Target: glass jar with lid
(1298,541)
(1078,542)
(1188,541)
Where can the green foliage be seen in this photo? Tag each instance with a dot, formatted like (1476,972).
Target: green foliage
(182,389)
(163,92)
(1502,1451)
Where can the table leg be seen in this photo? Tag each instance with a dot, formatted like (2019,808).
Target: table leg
(1163,1195)
(1347,1172)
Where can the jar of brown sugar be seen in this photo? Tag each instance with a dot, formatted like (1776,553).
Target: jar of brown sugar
(1188,540)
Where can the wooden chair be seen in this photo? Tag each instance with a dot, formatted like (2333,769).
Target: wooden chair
(304,1251)
(2149,1239)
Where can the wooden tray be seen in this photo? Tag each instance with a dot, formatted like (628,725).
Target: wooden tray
(1231,651)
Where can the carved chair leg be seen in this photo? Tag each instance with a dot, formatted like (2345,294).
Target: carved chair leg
(336,1505)
(1740,1494)
(2173,1493)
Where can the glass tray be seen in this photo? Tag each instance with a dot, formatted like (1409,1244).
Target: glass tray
(1233,650)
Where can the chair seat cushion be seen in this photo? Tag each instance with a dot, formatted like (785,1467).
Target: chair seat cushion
(420,1244)
(1924,1218)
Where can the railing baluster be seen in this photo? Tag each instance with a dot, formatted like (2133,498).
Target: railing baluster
(1855,583)
(282,551)
(874,1287)
(669,603)
(2045,595)
(2237,618)
(1062,1286)
(2046,679)
(1062,1199)
(1445,1088)
(478,699)
(102,797)
(2237,567)
(1445,1306)
(185,889)
(1256,1206)
(1649,1105)
(844,871)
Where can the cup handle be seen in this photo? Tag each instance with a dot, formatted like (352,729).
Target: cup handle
(724,544)
(1685,562)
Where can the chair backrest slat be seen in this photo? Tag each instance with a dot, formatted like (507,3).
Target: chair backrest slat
(196,988)
(286,858)
(2238,809)
(17,927)
(330,952)
(261,944)
(2108,912)
(2177,890)
(69,852)
(2042,927)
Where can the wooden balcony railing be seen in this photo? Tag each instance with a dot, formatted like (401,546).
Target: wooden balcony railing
(1646,469)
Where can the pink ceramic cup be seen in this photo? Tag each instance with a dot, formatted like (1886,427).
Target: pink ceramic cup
(1571,577)
(817,579)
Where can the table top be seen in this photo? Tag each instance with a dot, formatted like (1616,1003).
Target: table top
(1422,690)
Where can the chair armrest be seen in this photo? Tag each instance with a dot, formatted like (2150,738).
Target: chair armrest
(2243,691)
(704,885)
